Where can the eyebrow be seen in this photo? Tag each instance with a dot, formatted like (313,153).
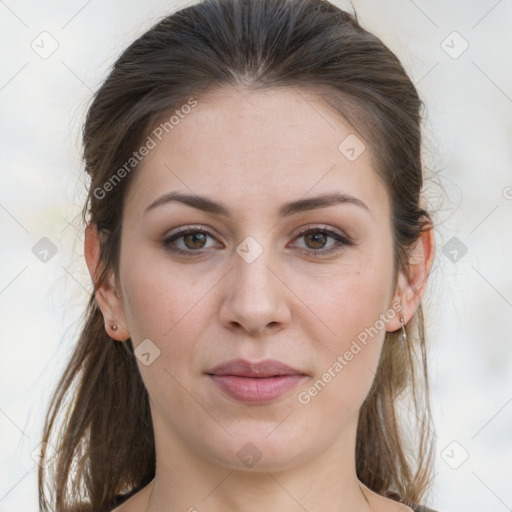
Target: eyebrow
(287,209)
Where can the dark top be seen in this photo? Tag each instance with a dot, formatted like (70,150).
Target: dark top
(121,498)
(422,508)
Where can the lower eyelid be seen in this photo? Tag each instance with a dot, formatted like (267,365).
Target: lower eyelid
(341,241)
(171,240)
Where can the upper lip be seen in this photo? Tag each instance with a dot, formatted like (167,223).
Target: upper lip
(244,368)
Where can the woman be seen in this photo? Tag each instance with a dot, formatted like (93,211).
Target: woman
(259,253)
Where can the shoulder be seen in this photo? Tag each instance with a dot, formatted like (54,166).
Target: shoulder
(122,505)
(133,501)
(422,508)
(118,507)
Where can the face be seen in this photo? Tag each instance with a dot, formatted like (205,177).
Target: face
(256,281)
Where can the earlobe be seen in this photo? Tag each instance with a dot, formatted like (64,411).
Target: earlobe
(105,293)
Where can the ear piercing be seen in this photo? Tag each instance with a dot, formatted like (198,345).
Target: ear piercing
(403,336)
(113,326)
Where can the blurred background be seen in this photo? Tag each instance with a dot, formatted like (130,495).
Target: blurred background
(56,54)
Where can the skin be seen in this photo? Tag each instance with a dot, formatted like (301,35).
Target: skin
(254,151)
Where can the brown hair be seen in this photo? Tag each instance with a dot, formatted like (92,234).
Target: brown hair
(105,445)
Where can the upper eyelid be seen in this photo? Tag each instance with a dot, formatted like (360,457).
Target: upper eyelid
(183,230)
(331,232)
(319,227)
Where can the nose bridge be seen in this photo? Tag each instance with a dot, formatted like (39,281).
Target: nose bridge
(255,296)
(251,266)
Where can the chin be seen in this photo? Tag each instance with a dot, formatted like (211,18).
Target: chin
(261,452)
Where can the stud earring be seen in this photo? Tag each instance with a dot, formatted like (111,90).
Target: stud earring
(114,327)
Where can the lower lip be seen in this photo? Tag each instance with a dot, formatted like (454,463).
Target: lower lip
(256,390)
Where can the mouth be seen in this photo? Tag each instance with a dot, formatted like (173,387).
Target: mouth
(250,382)
(244,368)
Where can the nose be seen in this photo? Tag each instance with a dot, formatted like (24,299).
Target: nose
(255,298)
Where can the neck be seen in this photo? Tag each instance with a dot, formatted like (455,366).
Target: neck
(186,481)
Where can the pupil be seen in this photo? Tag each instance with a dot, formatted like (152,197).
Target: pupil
(196,235)
(317,235)
(316,238)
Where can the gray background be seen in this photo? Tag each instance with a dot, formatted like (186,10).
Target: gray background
(469,181)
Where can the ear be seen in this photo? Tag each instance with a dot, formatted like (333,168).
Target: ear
(106,295)
(410,291)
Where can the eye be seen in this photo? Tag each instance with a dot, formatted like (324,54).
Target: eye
(194,240)
(193,237)
(316,240)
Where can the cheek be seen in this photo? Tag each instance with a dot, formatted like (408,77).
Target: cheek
(173,309)
(348,360)
(158,299)
(164,307)
(346,300)
(349,306)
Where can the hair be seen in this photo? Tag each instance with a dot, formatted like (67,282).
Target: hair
(105,446)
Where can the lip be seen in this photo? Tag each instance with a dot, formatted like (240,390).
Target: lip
(256,389)
(255,382)
(244,368)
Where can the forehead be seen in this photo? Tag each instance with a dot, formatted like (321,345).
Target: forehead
(256,150)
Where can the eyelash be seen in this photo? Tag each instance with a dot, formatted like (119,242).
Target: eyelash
(341,240)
